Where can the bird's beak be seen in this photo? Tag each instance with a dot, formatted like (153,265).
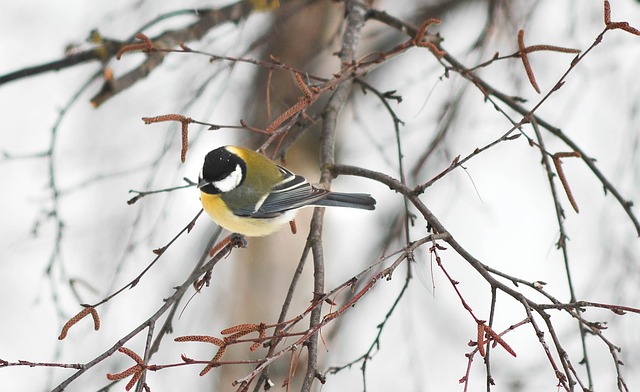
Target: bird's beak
(202,182)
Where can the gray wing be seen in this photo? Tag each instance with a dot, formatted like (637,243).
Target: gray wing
(291,193)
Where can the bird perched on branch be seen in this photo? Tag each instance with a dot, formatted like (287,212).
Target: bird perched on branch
(245,192)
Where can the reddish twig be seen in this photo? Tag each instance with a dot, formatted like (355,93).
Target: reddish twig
(617,25)
(478,347)
(525,62)
(145,46)
(563,179)
(82,314)
(418,39)
(185,121)
(135,371)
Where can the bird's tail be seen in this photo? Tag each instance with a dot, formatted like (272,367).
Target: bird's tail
(351,200)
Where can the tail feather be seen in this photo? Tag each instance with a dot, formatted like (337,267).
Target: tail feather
(352,200)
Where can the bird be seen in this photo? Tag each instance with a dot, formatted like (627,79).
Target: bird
(247,193)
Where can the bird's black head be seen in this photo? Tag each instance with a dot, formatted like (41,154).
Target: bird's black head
(222,171)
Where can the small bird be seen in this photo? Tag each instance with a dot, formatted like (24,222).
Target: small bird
(245,192)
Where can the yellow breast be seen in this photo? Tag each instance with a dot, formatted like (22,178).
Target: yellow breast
(252,227)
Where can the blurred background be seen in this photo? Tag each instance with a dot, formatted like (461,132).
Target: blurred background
(68,236)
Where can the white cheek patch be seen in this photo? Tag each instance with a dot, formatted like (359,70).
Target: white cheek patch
(230,182)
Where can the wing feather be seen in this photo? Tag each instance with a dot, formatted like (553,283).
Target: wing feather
(291,193)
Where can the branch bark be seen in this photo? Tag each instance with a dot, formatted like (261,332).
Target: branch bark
(355,17)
